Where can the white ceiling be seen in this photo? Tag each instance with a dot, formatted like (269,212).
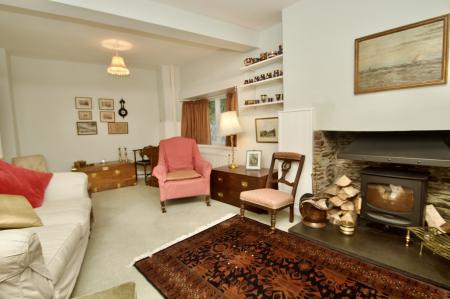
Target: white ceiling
(253,14)
(54,38)
(30,33)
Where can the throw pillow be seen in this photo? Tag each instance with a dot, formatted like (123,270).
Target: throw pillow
(178,175)
(16,212)
(16,180)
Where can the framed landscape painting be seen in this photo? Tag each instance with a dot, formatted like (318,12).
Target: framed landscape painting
(85,115)
(105,104)
(107,116)
(83,103)
(409,56)
(87,128)
(266,130)
(118,128)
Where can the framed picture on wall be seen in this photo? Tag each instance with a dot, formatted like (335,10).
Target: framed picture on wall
(87,128)
(118,128)
(83,103)
(107,116)
(105,104)
(409,56)
(253,160)
(85,115)
(266,130)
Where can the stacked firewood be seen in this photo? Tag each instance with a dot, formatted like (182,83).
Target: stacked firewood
(345,201)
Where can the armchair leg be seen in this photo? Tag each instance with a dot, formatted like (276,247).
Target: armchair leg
(291,213)
(242,210)
(163,206)
(273,219)
(208,202)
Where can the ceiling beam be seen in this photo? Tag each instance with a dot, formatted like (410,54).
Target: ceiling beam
(148,17)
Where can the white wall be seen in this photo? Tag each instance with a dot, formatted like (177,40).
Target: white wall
(44,92)
(318,37)
(8,130)
(221,71)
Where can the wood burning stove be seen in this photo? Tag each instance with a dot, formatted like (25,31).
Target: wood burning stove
(393,197)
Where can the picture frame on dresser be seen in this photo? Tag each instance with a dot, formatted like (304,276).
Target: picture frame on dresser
(253,160)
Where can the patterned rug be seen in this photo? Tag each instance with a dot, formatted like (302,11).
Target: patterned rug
(241,259)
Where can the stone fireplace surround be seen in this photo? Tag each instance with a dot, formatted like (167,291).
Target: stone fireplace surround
(327,167)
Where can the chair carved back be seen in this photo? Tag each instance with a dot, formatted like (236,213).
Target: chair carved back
(287,159)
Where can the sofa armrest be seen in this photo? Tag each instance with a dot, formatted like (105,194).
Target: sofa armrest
(23,273)
(67,185)
(160,172)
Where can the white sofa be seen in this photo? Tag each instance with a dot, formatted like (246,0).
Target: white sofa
(44,262)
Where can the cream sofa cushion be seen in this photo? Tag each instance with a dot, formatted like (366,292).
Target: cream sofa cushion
(33,162)
(17,212)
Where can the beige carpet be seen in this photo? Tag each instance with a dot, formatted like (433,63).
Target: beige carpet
(129,222)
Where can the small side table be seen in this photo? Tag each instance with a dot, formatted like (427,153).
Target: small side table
(227,184)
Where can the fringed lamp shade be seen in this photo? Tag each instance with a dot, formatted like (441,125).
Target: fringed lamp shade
(118,67)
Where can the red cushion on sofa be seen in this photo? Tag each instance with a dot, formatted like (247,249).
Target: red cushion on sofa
(21,181)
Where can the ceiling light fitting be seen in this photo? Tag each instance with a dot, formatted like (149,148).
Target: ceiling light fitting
(118,66)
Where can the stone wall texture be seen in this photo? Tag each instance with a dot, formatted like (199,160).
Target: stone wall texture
(327,167)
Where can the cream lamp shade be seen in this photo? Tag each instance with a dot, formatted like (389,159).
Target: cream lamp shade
(118,66)
(229,124)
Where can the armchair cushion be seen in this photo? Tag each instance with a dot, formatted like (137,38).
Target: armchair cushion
(178,175)
(20,181)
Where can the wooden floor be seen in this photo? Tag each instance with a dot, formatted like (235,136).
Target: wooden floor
(383,248)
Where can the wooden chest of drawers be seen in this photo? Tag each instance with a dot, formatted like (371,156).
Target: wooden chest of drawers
(227,184)
(109,175)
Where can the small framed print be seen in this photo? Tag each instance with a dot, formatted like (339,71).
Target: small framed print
(87,128)
(266,130)
(106,104)
(253,160)
(85,115)
(107,116)
(83,103)
(118,128)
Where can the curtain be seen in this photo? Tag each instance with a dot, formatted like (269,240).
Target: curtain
(231,106)
(195,121)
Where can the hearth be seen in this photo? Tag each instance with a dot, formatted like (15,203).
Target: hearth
(393,197)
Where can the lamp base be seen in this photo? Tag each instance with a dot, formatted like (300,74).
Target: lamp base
(233,166)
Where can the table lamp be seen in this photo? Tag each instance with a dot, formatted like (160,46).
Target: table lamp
(228,126)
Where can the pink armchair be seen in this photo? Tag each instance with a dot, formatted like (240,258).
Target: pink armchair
(181,171)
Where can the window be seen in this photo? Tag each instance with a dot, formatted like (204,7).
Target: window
(217,105)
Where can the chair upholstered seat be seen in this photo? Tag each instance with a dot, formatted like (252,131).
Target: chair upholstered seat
(266,197)
(178,175)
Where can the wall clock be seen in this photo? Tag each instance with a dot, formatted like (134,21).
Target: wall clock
(122,111)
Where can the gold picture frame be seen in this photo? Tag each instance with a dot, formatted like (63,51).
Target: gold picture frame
(408,56)
(118,128)
(266,130)
(107,116)
(83,103)
(85,115)
(105,104)
(87,128)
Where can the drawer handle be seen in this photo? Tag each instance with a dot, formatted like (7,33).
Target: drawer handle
(117,171)
(244,184)
(105,168)
(93,175)
(220,179)
(220,194)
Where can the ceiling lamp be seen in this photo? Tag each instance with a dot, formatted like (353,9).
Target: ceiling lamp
(118,66)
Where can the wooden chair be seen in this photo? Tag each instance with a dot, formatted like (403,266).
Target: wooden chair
(273,200)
